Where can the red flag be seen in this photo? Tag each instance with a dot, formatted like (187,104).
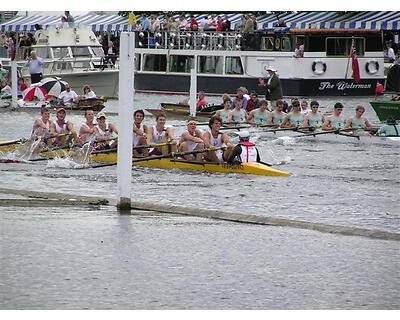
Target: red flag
(354,64)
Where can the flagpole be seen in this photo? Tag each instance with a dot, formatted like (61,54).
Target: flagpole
(348,60)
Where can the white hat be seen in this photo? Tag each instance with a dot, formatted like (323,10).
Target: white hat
(244,135)
(271,68)
(100,114)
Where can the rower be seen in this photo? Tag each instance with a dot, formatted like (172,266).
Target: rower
(215,139)
(294,118)
(314,118)
(191,140)
(238,113)
(139,134)
(336,120)
(88,131)
(161,134)
(276,117)
(390,129)
(259,116)
(358,121)
(245,151)
(107,131)
(63,128)
(43,126)
(225,114)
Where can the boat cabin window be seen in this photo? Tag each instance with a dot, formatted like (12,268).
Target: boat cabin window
(267,43)
(210,64)
(61,52)
(138,60)
(178,63)
(155,62)
(98,51)
(80,51)
(285,44)
(233,65)
(341,46)
(43,52)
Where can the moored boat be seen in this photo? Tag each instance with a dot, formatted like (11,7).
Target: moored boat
(386,109)
(177,110)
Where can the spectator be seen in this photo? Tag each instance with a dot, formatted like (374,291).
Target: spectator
(182,23)
(5,89)
(69,19)
(390,52)
(248,24)
(201,102)
(25,45)
(194,26)
(219,24)
(272,85)
(35,65)
(67,96)
(299,50)
(3,74)
(145,24)
(111,53)
(253,102)
(154,24)
(21,85)
(280,23)
(226,24)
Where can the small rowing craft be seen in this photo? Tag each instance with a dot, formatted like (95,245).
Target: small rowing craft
(386,109)
(168,163)
(177,110)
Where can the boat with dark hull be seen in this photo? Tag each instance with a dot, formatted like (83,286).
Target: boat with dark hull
(386,109)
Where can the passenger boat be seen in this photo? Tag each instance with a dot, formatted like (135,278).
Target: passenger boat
(227,60)
(386,109)
(177,110)
(73,54)
(167,163)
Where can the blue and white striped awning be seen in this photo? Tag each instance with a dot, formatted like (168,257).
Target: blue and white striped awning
(97,23)
(300,20)
(379,20)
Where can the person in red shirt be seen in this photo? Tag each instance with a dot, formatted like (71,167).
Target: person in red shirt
(194,26)
(201,102)
(21,85)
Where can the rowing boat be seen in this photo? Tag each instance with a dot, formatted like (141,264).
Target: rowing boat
(177,110)
(168,163)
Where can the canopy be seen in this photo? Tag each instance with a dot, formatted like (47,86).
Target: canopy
(298,20)
(379,20)
(97,22)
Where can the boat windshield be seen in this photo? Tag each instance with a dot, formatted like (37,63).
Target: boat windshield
(80,51)
(61,52)
(98,51)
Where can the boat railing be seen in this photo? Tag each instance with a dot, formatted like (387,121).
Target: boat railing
(191,40)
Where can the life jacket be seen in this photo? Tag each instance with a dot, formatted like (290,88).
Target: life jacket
(249,151)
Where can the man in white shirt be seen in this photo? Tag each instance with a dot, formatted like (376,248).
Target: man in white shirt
(35,65)
(390,52)
(67,96)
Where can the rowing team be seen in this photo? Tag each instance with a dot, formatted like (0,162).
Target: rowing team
(297,119)
(156,140)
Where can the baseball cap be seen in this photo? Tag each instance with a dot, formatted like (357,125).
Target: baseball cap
(244,135)
(100,114)
(60,109)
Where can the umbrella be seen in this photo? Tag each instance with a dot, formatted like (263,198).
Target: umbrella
(53,86)
(34,91)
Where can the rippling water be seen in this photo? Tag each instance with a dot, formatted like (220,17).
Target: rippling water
(198,263)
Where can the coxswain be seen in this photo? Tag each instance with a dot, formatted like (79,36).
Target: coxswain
(65,129)
(139,134)
(390,129)
(216,139)
(313,118)
(294,118)
(161,134)
(191,140)
(107,132)
(359,122)
(336,120)
(245,151)
(260,115)
(277,116)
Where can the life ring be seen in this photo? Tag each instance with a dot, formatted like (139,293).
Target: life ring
(319,70)
(372,66)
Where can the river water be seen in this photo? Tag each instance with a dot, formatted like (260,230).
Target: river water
(94,258)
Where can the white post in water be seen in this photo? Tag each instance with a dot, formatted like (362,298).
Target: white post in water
(125,118)
(14,84)
(193,91)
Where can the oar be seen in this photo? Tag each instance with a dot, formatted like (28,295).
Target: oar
(235,128)
(172,155)
(336,131)
(288,129)
(145,146)
(7,143)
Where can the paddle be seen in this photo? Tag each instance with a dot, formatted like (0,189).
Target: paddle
(289,129)
(336,131)
(7,143)
(235,128)
(172,155)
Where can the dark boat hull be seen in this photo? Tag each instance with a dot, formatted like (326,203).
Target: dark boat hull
(180,84)
(386,109)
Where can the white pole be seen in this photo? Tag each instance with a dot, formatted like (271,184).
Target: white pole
(125,118)
(14,84)
(193,91)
